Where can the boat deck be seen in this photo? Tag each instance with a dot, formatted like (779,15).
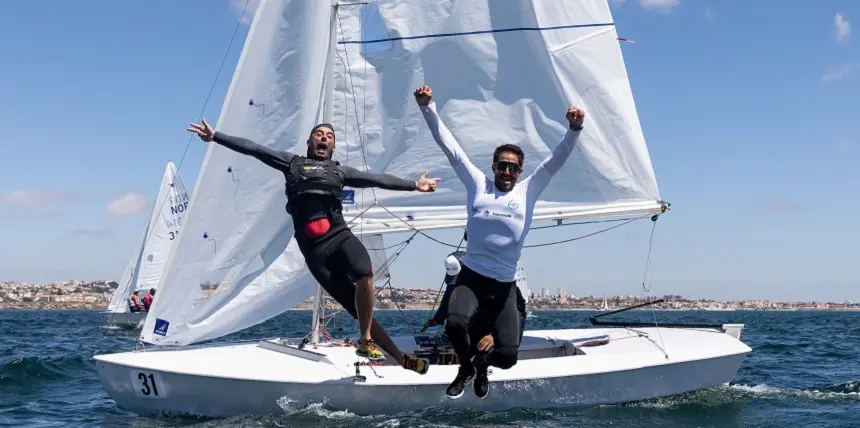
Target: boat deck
(554,353)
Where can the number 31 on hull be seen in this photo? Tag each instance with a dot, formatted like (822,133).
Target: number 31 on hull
(147,384)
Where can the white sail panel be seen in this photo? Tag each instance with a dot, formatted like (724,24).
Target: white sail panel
(237,227)
(375,245)
(147,263)
(119,300)
(502,71)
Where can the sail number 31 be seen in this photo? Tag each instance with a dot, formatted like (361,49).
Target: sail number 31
(147,385)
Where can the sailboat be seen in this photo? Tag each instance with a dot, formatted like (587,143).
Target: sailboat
(144,268)
(502,71)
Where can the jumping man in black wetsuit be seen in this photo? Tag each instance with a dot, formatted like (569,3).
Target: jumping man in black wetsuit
(480,335)
(335,257)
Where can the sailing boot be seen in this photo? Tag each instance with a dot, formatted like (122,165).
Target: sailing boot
(419,365)
(464,375)
(369,350)
(482,383)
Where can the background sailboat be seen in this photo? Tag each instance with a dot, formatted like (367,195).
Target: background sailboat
(502,71)
(148,259)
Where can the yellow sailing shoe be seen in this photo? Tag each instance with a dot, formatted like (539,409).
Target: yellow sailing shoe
(415,364)
(369,350)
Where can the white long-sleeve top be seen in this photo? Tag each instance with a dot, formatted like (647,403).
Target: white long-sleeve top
(498,221)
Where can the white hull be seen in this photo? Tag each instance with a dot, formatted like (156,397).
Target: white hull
(262,377)
(127,320)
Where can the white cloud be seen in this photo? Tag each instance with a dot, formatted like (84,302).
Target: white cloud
(842,72)
(665,5)
(29,198)
(93,233)
(238,5)
(843,27)
(128,204)
(709,14)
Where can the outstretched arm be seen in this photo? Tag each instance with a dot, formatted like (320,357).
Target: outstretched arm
(361,179)
(466,171)
(273,158)
(552,164)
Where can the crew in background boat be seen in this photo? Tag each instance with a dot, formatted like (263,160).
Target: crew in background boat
(498,223)
(147,300)
(134,304)
(335,256)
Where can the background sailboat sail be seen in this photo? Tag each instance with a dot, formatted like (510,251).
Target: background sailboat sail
(119,300)
(146,265)
(237,228)
(522,282)
(503,71)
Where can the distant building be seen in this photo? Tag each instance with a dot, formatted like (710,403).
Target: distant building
(561,292)
(544,292)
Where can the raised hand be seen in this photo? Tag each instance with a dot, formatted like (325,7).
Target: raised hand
(575,116)
(425,184)
(423,95)
(205,131)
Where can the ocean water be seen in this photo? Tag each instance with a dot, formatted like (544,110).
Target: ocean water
(804,371)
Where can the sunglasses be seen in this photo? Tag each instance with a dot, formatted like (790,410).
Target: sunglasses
(505,165)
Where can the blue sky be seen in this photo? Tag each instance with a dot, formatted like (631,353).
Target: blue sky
(748,110)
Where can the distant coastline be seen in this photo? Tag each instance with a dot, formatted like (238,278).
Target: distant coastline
(95,295)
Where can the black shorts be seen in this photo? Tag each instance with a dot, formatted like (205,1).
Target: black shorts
(337,264)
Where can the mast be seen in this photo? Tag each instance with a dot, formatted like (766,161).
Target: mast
(327,113)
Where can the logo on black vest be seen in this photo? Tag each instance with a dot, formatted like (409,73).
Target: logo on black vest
(348,196)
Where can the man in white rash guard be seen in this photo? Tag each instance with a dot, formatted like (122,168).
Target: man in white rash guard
(500,213)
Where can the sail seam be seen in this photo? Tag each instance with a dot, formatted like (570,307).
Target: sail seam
(472,33)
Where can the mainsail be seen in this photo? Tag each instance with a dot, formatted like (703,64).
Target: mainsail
(146,264)
(502,71)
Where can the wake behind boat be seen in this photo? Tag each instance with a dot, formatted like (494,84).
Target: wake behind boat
(508,68)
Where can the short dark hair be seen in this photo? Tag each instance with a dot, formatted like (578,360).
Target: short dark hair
(322,125)
(513,148)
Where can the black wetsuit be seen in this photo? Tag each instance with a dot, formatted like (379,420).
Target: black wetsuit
(337,259)
(477,330)
(477,297)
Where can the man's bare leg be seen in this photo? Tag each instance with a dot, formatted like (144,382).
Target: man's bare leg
(368,327)
(364,296)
